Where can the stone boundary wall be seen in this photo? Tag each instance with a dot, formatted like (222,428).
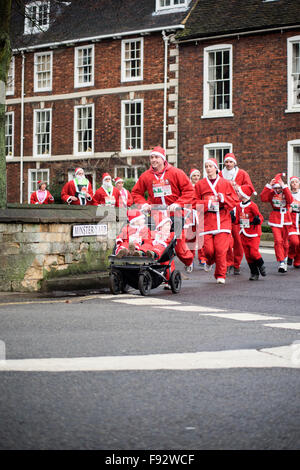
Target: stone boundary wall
(37,244)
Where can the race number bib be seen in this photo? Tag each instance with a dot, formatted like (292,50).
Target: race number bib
(161,189)
(244,223)
(110,201)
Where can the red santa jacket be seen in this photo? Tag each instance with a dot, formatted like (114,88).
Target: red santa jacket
(125,199)
(42,197)
(172,185)
(84,193)
(102,197)
(245,214)
(217,198)
(295,214)
(239,176)
(280,203)
(137,234)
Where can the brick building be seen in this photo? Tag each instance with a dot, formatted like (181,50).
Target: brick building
(239,69)
(92,83)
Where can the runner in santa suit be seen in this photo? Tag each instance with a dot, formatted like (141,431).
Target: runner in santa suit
(167,186)
(280,197)
(249,219)
(238,178)
(107,194)
(218,198)
(294,234)
(42,195)
(78,191)
(126,198)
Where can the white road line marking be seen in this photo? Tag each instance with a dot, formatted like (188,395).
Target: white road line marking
(268,251)
(192,308)
(290,326)
(241,358)
(144,301)
(243,316)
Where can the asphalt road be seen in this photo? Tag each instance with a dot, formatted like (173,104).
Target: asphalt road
(214,367)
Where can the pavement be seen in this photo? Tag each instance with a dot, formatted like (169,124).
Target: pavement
(74,285)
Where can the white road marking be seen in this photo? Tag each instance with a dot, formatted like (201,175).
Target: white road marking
(290,326)
(243,316)
(240,358)
(146,301)
(267,251)
(192,308)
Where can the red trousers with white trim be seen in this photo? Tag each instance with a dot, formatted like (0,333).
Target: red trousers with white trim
(281,241)
(251,248)
(215,249)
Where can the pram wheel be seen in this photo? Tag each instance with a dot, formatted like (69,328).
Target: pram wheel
(145,283)
(175,281)
(115,283)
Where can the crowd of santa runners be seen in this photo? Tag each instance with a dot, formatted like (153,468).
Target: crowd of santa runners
(222,223)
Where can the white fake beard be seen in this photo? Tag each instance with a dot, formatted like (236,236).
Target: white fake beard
(229,174)
(107,184)
(80,179)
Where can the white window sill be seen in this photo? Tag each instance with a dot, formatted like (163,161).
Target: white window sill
(83,85)
(295,110)
(213,116)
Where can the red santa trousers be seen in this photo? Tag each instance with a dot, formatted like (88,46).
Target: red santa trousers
(215,248)
(281,241)
(251,248)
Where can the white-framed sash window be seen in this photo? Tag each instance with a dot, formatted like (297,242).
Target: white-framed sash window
(9,134)
(42,124)
(84,66)
(37,17)
(132,125)
(43,71)
(293,71)
(84,129)
(132,60)
(293,151)
(217,81)
(10,82)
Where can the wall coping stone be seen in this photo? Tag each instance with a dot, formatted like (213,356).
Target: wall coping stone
(58,213)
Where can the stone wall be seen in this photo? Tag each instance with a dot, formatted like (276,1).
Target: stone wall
(37,244)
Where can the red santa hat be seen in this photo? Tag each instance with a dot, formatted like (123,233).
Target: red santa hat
(231,157)
(105,175)
(193,171)
(213,161)
(245,191)
(159,151)
(118,179)
(39,183)
(77,169)
(276,180)
(294,178)
(134,215)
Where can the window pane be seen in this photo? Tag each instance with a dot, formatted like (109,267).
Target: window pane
(9,134)
(133,126)
(85,129)
(296,161)
(42,132)
(218,80)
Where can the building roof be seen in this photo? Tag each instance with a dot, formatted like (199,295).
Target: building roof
(224,17)
(82,19)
